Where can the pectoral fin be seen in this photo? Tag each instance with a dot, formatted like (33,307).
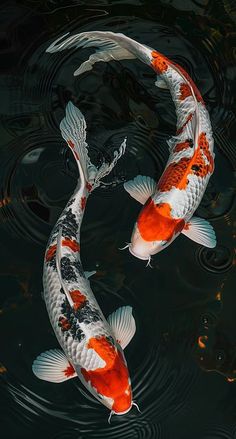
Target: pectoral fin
(123,325)
(88,274)
(200,231)
(53,366)
(161,83)
(140,188)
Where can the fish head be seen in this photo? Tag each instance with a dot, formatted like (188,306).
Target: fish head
(154,230)
(111,383)
(142,249)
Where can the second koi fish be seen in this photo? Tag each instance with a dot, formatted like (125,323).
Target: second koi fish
(169,205)
(92,347)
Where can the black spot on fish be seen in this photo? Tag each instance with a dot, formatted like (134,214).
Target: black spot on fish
(70,225)
(67,271)
(195,168)
(73,325)
(52,262)
(190,141)
(87,315)
(70,202)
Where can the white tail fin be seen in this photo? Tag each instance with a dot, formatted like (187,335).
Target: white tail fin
(109,46)
(73,130)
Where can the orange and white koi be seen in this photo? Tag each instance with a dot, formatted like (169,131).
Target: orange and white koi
(92,347)
(169,205)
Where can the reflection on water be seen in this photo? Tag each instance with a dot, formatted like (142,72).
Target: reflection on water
(184,349)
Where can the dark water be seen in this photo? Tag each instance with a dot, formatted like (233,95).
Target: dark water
(181,387)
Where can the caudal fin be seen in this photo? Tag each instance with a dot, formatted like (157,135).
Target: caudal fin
(73,130)
(109,46)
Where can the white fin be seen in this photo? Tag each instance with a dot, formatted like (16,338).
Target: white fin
(106,44)
(103,55)
(140,188)
(123,325)
(73,129)
(88,274)
(53,366)
(161,83)
(200,231)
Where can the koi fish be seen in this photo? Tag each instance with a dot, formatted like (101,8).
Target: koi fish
(92,347)
(169,205)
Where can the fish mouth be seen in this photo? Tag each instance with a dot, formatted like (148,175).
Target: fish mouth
(124,412)
(138,256)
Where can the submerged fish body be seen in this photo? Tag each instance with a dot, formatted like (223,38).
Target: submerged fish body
(169,205)
(89,342)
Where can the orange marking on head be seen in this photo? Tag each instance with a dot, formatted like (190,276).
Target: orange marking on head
(78,299)
(113,379)
(185,91)
(83,203)
(159,62)
(64,323)
(182,145)
(72,244)
(201,340)
(51,252)
(156,224)
(69,371)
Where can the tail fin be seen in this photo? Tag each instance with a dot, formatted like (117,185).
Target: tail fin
(73,130)
(109,46)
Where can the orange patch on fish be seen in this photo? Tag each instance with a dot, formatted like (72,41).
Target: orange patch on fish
(112,380)
(193,85)
(71,243)
(83,203)
(51,252)
(156,224)
(176,174)
(159,62)
(78,299)
(204,146)
(69,371)
(71,144)
(185,91)
(183,145)
(64,323)
(88,186)
(180,130)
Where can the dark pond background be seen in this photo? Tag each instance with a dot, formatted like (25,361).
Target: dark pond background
(183,384)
